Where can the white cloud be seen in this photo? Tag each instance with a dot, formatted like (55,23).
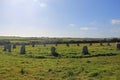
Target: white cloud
(84,28)
(72,25)
(15,2)
(87,28)
(43,5)
(35,0)
(114,21)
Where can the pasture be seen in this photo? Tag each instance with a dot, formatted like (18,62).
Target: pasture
(103,63)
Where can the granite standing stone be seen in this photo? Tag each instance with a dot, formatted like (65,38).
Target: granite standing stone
(5,47)
(90,44)
(14,46)
(118,46)
(67,44)
(33,44)
(53,52)
(9,47)
(108,44)
(85,50)
(23,49)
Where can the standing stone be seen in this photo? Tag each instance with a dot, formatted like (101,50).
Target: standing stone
(108,44)
(85,50)
(33,44)
(23,50)
(90,44)
(5,47)
(9,48)
(14,46)
(118,46)
(67,44)
(53,52)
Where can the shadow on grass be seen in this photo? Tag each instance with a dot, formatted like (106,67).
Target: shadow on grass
(83,56)
(96,55)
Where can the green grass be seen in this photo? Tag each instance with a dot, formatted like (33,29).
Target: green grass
(38,64)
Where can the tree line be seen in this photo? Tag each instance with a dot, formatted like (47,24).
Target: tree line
(57,40)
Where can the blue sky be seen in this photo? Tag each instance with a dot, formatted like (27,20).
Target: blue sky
(60,18)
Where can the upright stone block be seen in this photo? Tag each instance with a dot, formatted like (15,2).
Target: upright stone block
(23,49)
(108,44)
(33,44)
(90,44)
(9,47)
(118,46)
(14,46)
(67,44)
(85,50)
(53,52)
(5,47)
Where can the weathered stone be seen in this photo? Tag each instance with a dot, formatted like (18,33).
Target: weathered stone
(53,52)
(33,44)
(118,46)
(53,49)
(5,47)
(67,44)
(85,50)
(108,44)
(90,44)
(23,50)
(9,47)
(14,46)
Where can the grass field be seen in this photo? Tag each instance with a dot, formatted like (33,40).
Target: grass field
(38,64)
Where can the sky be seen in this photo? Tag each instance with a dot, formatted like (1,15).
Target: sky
(60,18)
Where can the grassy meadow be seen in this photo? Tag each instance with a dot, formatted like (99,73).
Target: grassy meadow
(103,63)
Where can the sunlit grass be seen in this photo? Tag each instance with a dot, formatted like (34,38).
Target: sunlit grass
(30,66)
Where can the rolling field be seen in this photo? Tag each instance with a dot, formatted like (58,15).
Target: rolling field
(103,63)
